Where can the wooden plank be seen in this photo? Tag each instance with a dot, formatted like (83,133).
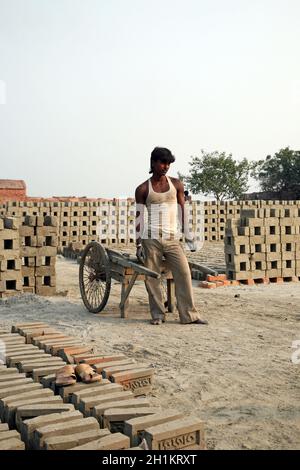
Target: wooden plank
(124,300)
(171,295)
(136,267)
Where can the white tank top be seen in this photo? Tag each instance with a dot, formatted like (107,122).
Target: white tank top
(161,220)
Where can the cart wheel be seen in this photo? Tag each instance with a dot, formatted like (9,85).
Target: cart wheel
(94,277)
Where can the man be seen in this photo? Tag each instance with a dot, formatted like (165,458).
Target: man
(158,237)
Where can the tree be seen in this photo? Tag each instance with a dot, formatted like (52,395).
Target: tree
(219,175)
(280,172)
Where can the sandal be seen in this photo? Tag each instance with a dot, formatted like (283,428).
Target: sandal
(87,374)
(65,376)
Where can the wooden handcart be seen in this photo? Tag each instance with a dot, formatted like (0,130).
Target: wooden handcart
(99,265)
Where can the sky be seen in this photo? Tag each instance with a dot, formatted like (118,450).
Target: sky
(89,87)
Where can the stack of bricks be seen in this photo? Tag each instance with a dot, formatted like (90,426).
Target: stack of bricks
(264,244)
(216,214)
(10,263)
(112,221)
(38,248)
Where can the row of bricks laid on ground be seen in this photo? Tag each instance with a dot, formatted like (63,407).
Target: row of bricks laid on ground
(265,247)
(21,399)
(71,349)
(182,434)
(27,260)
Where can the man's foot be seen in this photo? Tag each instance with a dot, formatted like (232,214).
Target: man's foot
(199,322)
(157,321)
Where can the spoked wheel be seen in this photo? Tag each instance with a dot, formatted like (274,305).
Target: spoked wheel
(94,277)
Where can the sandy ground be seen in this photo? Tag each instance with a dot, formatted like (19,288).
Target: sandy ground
(236,374)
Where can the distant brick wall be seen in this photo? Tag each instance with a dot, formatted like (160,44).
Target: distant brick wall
(12,194)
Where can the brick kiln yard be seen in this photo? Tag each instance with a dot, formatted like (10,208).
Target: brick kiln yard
(236,374)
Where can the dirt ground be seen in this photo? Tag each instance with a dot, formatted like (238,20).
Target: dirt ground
(236,374)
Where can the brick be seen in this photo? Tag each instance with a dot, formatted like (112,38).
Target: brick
(8,434)
(16,360)
(9,412)
(108,371)
(31,411)
(139,381)
(48,343)
(48,251)
(28,367)
(13,341)
(40,393)
(39,332)
(7,234)
(98,410)
(116,441)
(72,440)
(12,444)
(103,388)
(207,285)
(68,352)
(45,271)
(19,389)
(66,392)
(273,256)
(63,429)
(16,376)
(42,371)
(289,238)
(219,277)
(97,359)
(46,339)
(54,348)
(26,231)
(87,403)
(100,366)
(14,383)
(175,435)
(115,418)
(55,339)
(7,371)
(20,349)
(8,336)
(28,426)
(45,231)
(20,327)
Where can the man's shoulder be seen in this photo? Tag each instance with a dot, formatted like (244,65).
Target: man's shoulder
(177,182)
(142,186)
(141,192)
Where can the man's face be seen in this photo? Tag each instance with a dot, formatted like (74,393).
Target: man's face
(160,167)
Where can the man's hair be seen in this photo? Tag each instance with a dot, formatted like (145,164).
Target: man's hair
(163,154)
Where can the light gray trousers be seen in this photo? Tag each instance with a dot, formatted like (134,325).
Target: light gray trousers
(178,264)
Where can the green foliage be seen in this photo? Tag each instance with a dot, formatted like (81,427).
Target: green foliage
(280,172)
(219,175)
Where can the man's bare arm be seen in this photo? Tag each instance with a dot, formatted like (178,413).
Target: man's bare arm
(140,200)
(181,204)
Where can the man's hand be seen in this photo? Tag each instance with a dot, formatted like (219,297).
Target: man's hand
(190,244)
(140,254)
